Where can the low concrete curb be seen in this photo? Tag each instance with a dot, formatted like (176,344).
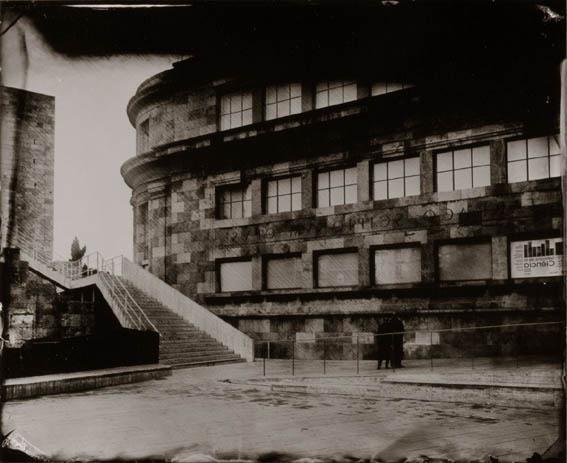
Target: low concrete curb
(531,397)
(34,386)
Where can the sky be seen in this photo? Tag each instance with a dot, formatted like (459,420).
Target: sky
(93,136)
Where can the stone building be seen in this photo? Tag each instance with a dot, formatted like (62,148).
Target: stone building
(26,169)
(298,198)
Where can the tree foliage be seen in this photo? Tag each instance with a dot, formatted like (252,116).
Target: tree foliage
(76,251)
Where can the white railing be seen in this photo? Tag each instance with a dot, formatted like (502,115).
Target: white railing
(189,310)
(119,298)
(105,273)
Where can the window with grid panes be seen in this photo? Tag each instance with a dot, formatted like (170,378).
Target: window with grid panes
(463,168)
(337,187)
(395,179)
(329,93)
(283,100)
(380,88)
(283,195)
(235,202)
(236,110)
(533,158)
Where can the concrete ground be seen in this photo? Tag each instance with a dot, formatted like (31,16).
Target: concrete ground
(204,411)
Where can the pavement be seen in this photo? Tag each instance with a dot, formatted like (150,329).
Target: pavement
(224,412)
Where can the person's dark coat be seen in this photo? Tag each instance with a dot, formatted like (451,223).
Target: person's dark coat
(383,343)
(397,326)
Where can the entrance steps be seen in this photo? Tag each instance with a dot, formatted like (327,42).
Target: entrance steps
(182,345)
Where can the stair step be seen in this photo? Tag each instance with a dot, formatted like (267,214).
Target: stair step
(195,348)
(194,354)
(207,360)
(176,366)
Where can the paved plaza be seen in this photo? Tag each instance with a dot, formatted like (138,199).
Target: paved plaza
(218,411)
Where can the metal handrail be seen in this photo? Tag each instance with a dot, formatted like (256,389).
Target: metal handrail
(114,295)
(137,306)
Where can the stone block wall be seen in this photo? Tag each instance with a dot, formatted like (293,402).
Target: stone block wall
(26,166)
(32,308)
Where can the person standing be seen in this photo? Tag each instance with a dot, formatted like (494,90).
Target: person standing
(383,343)
(397,327)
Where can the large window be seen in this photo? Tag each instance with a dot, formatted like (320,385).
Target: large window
(329,93)
(283,195)
(337,187)
(395,179)
(236,110)
(397,265)
(284,272)
(380,88)
(234,202)
(534,158)
(463,168)
(465,261)
(337,269)
(283,100)
(235,276)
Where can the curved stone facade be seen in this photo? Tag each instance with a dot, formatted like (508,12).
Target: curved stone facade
(307,207)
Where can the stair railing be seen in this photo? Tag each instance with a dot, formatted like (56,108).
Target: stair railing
(118,302)
(110,273)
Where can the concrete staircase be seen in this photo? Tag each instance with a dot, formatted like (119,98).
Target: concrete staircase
(182,345)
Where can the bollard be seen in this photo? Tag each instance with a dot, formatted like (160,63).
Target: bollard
(357,355)
(292,358)
(392,355)
(324,357)
(431,348)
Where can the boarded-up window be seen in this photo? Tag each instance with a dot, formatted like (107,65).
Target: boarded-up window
(284,273)
(465,261)
(399,265)
(337,269)
(236,276)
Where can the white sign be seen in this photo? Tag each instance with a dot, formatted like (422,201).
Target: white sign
(537,258)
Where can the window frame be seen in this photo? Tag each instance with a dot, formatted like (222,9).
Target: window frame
(328,89)
(471,168)
(228,260)
(464,241)
(219,190)
(527,158)
(220,113)
(329,170)
(385,247)
(266,258)
(325,252)
(277,179)
(289,100)
(373,180)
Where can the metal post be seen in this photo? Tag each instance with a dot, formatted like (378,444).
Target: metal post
(392,351)
(431,348)
(264,361)
(324,357)
(357,355)
(292,358)
(269,350)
